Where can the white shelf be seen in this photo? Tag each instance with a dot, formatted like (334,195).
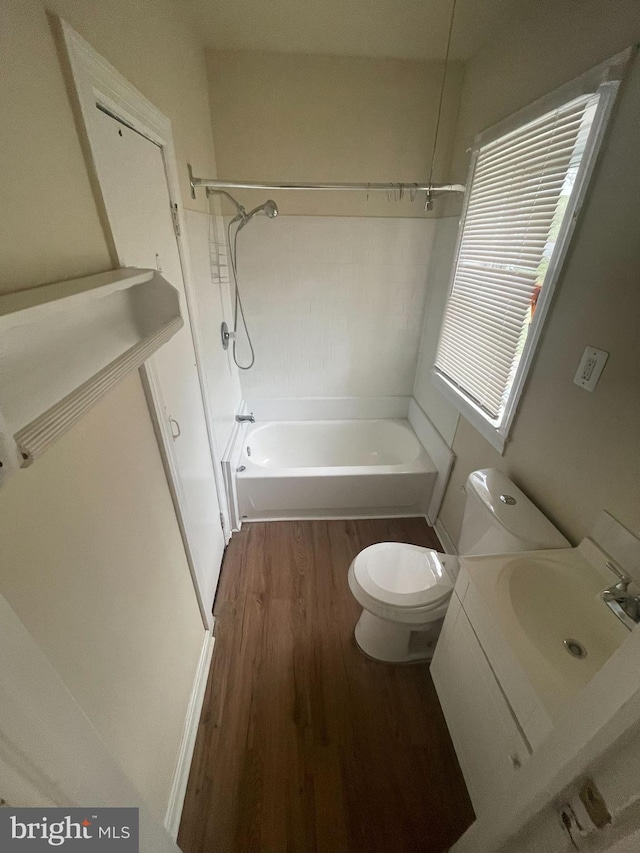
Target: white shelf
(63,346)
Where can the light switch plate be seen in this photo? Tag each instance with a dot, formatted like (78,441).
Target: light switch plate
(590,368)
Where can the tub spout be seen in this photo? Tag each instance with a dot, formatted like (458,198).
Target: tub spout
(241,419)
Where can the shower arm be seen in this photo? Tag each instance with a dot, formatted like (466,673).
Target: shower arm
(430,189)
(242,213)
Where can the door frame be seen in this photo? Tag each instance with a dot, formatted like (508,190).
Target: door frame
(93,81)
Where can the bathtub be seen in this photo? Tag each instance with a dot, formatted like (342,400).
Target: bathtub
(331,469)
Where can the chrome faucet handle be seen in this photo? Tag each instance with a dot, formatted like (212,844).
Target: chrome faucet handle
(624,604)
(622,576)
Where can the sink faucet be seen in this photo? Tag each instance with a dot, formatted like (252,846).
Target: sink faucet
(624,604)
(241,419)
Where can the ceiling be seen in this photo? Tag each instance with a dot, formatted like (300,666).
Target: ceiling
(405,29)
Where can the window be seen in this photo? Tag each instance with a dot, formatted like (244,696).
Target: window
(527,180)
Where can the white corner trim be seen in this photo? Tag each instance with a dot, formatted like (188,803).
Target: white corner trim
(445,540)
(188,743)
(439,452)
(230,461)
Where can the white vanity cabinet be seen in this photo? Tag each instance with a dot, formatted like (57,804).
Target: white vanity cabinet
(486,735)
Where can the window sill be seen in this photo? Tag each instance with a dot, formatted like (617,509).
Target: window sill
(495,435)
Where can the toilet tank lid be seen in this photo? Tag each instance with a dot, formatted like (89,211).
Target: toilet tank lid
(521,518)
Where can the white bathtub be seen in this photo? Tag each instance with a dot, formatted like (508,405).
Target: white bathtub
(332,469)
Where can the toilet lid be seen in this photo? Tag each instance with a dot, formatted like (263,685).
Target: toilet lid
(403,575)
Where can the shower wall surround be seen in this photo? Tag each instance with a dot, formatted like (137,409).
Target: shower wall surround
(334,305)
(208,255)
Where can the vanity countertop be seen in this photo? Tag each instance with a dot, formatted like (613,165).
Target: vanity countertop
(547,606)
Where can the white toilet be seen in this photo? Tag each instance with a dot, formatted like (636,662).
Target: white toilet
(405,589)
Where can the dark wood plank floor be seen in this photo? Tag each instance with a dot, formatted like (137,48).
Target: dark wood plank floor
(304,743)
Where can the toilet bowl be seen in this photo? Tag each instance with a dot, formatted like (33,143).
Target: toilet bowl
(405,589)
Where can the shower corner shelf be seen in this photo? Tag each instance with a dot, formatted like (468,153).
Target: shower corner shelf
(63,346)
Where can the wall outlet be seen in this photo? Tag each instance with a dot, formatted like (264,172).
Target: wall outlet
(590,368)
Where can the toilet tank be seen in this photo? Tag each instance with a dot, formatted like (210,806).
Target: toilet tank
(500,519)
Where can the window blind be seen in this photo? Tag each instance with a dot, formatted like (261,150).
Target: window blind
(519,191)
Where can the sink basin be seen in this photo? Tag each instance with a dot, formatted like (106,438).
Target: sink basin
(549,608)
(555,600)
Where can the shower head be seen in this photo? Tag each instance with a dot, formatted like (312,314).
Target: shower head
(269,208)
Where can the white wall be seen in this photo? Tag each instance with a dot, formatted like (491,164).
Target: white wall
(573,452)
(334,304)
(93,563)
(92,559)
(296,117)
(335,301)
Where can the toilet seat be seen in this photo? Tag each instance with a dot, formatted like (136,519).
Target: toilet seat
(400,575)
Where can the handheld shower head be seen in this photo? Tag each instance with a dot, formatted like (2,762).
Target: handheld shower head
(269,208)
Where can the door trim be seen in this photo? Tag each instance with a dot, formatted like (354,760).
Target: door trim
(95,82)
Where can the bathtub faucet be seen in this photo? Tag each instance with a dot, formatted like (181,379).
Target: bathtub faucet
(241,419)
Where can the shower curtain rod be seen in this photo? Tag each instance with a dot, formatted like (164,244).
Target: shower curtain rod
(402,186)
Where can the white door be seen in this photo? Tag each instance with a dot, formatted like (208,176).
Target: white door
(134,186)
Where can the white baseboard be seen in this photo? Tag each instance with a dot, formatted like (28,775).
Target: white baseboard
(338,515)
(447,542)
(187,745)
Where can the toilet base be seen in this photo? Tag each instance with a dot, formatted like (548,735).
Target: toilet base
(392,642)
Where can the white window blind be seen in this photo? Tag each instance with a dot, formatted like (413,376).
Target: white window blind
(519,192)
(522,197)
